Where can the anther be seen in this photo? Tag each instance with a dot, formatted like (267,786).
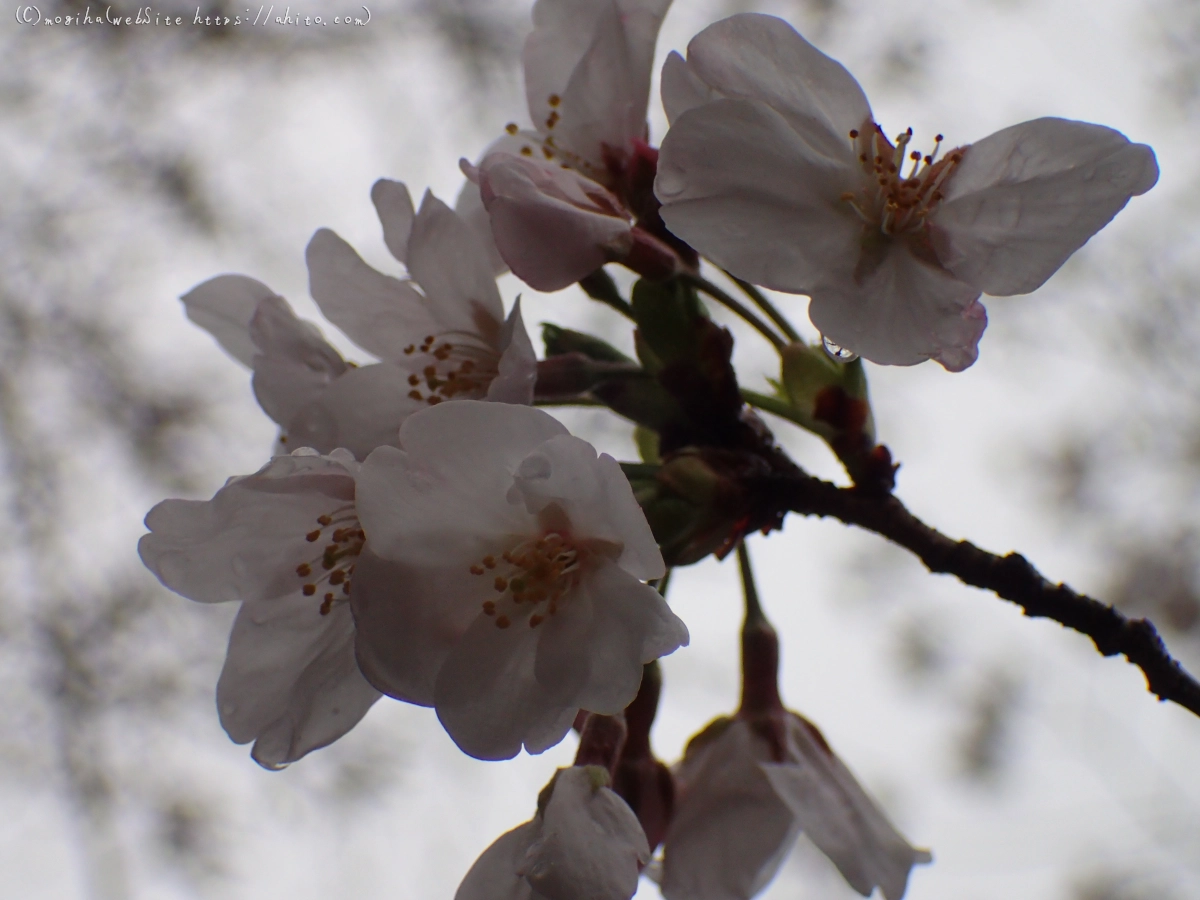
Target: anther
(853,134)
(308,590)
(489,561)
(554,99)
(502,622)
(535,620)
(511,128)
(501,583)
(527,151)
(312,535)
(325,520)
(489,608)
(304,570)
(476,569)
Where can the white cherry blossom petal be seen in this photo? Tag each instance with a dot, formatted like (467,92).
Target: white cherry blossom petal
(551,225)
(596,497)
(405,635)
(596,58)
(394,207)
(584,842)
(445,481)
(530,612)
(904,311)
(1027,197)
(494,875)
(840,818)
(730,831)
(360,410)
(682,89)
(223,306)
(517,369)
(630,625)
(590,843)
(294,363)
(380,313)
(469,207)
(243,543)
(488,696)
(763,58)
(793,186)
(447,259)
(736,181)
(290,682)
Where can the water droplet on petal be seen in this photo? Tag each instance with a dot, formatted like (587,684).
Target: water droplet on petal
(838,352)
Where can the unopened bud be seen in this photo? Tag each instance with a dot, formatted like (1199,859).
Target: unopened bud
(830,399)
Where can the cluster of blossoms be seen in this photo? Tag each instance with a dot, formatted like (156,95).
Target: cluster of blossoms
(426,533)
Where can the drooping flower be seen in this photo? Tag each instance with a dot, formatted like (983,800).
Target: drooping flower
(745,793)
(574,193)
(750,784)
(286,543)
(448,340)
(521,553)
(584,841)
(775,169)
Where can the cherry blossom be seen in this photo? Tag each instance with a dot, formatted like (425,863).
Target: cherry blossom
(521,554)
(747,787)
(286,543)
(584,841)
(448,340)
(775,169)
(569,195)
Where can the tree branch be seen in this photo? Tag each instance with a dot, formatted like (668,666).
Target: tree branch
(1010,577)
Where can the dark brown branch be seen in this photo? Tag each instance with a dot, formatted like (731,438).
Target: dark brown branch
(1011,577)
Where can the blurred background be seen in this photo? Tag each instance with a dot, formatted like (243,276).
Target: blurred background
(138,161)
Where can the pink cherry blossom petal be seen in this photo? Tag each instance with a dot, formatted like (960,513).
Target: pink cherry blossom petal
(551,225)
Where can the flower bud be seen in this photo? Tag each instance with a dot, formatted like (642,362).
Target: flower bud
(830,398)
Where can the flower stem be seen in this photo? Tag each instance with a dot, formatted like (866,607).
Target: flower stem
(663,583)
(707,287)
(760,648)
(754,613)
(600,286)
(570,401)
(766,306)
(773,405)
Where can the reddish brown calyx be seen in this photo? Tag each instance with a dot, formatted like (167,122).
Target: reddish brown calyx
(640,779)
(601,741)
